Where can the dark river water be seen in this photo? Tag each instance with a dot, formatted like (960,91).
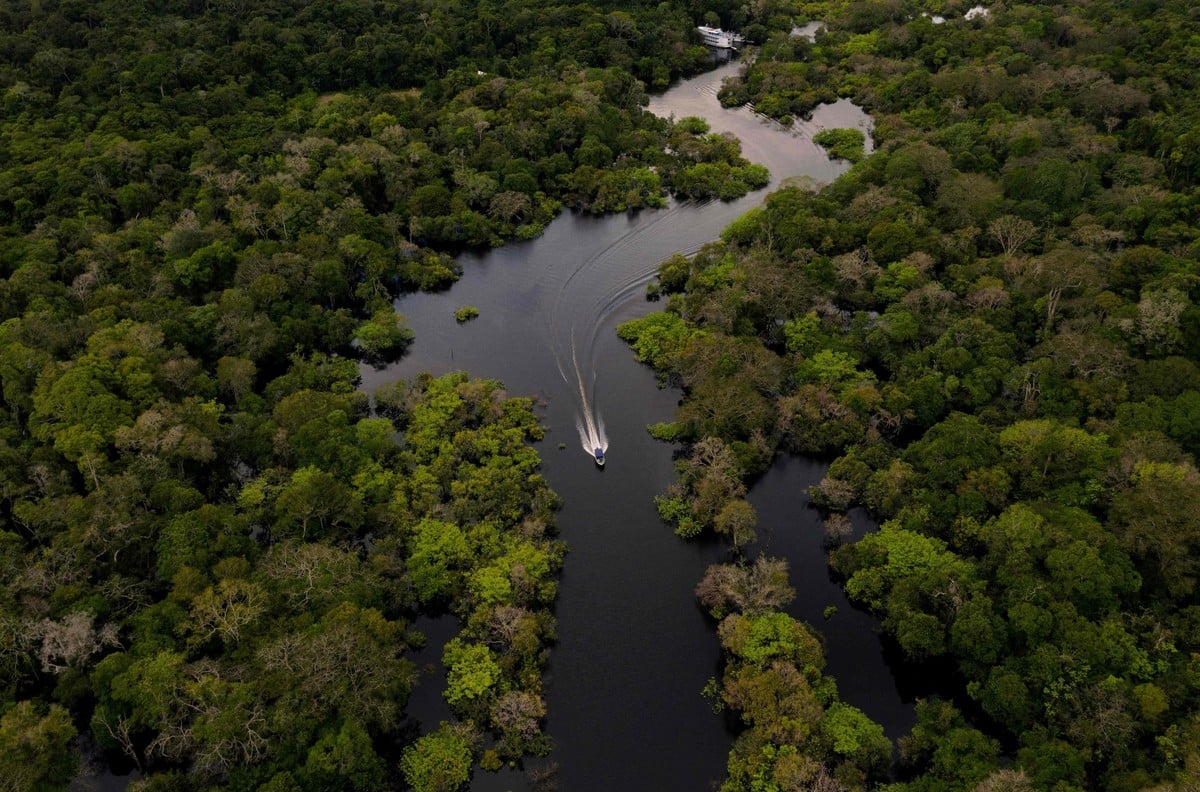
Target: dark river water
(634,649)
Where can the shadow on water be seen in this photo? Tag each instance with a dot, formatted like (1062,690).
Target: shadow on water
(856,655)
(870,668)
(634,651)
(426,706)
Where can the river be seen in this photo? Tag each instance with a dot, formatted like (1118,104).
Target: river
(634,649)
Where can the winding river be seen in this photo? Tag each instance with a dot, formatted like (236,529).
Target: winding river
(634,649)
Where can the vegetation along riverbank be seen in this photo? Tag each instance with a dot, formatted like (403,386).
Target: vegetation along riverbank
(988,326)
(214,545)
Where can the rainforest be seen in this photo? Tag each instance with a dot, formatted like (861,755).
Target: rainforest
(236,488)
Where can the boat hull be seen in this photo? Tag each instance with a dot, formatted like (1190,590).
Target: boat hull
(721,39)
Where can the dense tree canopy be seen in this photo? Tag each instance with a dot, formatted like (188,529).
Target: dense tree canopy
(988,327)
(212,546)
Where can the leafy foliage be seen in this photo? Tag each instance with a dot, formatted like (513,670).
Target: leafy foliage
(844,144)
(212,547)
(976,320)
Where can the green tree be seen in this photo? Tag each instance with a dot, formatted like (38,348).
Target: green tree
(856,738)
(472,673)
(345,759)
(945,750)
(315,500)
(439,761)
(845,144)
(1156,519)
(736,519)
(384,336)
(438,549)
(36,754)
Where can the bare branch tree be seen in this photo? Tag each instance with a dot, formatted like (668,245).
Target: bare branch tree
(1011,233)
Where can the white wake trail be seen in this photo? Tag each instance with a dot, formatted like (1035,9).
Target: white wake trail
(589,425)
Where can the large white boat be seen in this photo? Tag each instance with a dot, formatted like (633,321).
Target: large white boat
(721,39)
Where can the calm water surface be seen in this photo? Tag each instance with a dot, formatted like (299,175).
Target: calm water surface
(870,673)
(634,650)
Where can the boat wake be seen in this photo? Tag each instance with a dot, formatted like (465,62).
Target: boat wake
(588,422)
(586,298)
(591,435)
